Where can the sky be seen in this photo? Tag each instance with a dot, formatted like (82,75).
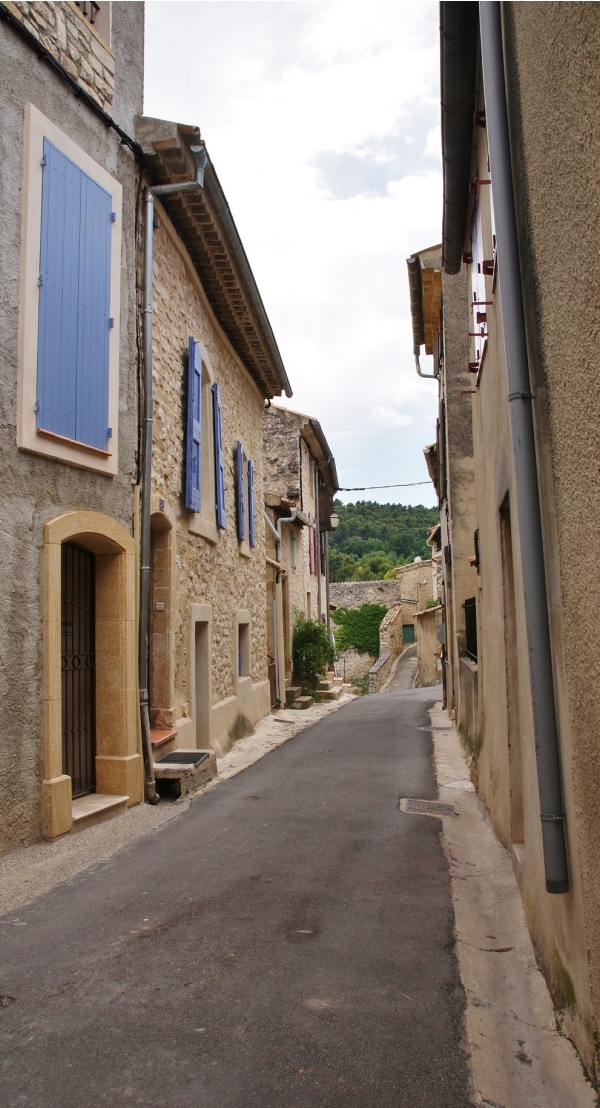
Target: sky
(322,121)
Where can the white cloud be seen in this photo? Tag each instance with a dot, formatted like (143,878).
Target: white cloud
(321,120)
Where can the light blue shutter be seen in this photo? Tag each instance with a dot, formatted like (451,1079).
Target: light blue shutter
(193,444)
(74,304)
(251,505)
(219,460)
(239,492)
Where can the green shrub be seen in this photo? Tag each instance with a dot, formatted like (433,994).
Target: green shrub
(359,627)
(361,684)
(312,652)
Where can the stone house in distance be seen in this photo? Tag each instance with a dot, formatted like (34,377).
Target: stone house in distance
(215,362)
(300,485)
(68,680)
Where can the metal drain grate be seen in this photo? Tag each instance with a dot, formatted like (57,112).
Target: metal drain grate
(427,807)
(183,758)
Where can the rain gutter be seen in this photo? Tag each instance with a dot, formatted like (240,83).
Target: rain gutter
(415,286)
(458,31)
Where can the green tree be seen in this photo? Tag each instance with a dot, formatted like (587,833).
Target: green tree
(312,652)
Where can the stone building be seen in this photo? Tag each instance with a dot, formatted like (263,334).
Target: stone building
(215,362)
(68,681)
(300,485)
(519,134)
(450,463)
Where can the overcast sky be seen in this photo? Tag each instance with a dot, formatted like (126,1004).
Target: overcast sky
(322,122)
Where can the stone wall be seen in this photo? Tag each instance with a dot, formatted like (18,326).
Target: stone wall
(39,489)
(282,452)
(64,31)
(414,582)
(214,568)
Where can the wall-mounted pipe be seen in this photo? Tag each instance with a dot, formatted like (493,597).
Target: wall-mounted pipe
(146,467)
(278,635)
(526,480)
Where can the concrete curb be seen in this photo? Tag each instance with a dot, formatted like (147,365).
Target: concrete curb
(518,1056)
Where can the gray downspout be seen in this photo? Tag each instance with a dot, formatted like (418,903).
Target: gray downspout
(146,472)
(318,543)
(149,782)
(327,589)
(527,489)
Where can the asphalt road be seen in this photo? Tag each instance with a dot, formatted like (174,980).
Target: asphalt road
(287,941)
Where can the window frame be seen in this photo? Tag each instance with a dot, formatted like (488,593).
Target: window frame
(203,521)
(80,454)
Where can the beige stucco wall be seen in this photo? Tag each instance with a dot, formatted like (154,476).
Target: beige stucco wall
(551,63)
(458,500)
(428,647)
(554,80)
(212,570)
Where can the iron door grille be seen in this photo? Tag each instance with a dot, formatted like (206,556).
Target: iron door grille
(471,627)
(77,664)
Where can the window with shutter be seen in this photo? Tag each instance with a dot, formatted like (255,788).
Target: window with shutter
(68,397)
(240,492)
(219,459)
(74,305)
(251,505)
(193,443)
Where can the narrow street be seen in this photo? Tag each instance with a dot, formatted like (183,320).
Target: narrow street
(287,941)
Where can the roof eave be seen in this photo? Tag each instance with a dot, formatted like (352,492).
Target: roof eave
(204,221)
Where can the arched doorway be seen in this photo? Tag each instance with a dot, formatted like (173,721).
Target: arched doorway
(89,551)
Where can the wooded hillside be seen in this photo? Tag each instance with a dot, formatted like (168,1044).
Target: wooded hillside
(374,538)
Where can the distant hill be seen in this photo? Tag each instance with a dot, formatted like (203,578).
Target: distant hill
(374,538)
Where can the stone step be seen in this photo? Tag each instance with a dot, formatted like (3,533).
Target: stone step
(96,808)
(183,773)
(338,681)
(291,694)
(331,694)
(302,702)
(324,685)
(163,742)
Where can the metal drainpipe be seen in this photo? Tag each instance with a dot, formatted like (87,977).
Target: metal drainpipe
(145,501)
(279,643)
(526,482)
(431,376)
(318,543)
(327,588)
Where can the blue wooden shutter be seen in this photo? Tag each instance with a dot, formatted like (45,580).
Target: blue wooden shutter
(251,505)
(219,460)
(239,492)
(193,444)
(74,304)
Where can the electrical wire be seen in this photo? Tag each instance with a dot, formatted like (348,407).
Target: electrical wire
(366,488)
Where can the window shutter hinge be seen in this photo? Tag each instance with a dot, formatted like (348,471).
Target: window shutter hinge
(36,407)
(113,217)
(109,432)
(111,321)
(41,279)
(43,161)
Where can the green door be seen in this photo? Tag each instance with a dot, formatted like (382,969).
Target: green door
(408,633)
